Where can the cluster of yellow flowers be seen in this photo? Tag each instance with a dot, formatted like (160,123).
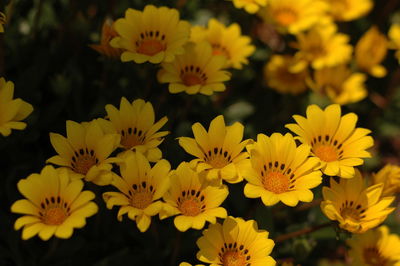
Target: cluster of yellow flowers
(193,59)
(122,149)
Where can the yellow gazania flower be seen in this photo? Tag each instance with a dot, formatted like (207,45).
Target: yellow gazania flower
(219,151)
(370,51)
(323,46)
(107,33)
(12,111)
(155,35)
(196,71)
(293,16)
(394,36)
(193,199)
(3,21)
(356,208)
(346,10)
(333,138)
(141,186)
(340,84)
(375,247)
(280,171)
(55,204)
(85,151)
(235,242)
(251,6)
(225,41)
(279,76)
(390,177)
(134,122)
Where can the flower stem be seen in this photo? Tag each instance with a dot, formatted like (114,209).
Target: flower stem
(304,231)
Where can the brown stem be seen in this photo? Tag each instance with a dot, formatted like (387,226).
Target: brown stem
(304,231)
(309,205)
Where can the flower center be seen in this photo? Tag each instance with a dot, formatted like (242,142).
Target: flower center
(285,16)
(233,258)
(326,153)
(54,216)
(217,158)
(350,213)
(141,199)
(83,160)
(190,207)
(373,257)
(132,137)
(218,49)
(150,47)
(276,182)
(191,79)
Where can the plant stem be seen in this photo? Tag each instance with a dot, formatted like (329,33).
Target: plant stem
(300,232)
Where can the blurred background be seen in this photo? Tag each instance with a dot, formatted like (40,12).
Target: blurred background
(45,52)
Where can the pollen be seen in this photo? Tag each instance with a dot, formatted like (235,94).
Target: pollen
(276,182)
(326,153)
(54,216)
(150,47)
(132,137)
(190,207)
(233,258)
(142,199)
(285,16)
(83,160)
(191,79)
(350,213)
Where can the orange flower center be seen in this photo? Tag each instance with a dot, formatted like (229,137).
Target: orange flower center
(373,257)
(190,207)
(132,137)
(141,199)
(150,47)
(54,216)
(217,158)
(326,153)
(218,49)
(285,16)
(351,214)
(276,182)
(83,160)
(233,258)
(191,79)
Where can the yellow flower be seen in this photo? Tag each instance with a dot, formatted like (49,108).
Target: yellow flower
(134,122)
(3,21)
(370,51)
(323,46)
(193,199)
(333,138)
(155,35)
(107,33)
(394,36)
(375,247)
(251,6)
(225,41)
(356,208)
(85,151)
(340,84)
(12,111)
(219,151)
(196,71)
(293,16)
(141,186)
(280,171)
(279,76)
(346,10)
(235,242)
(54,205)
(390,177)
